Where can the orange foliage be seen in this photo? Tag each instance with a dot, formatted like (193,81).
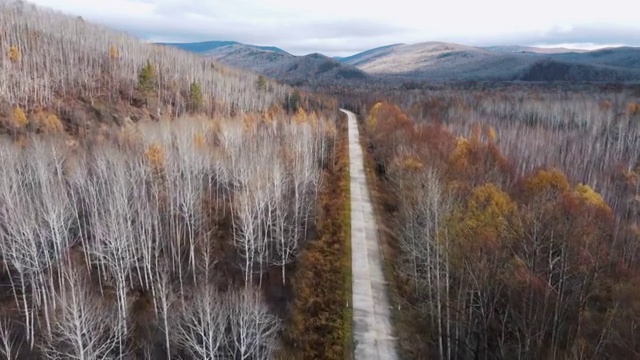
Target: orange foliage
(475,162)
(591,197)
(384,116)
(492,134)
(155,156)
(19,117)
(459,159)
(113,53)
(633,109)
(199,140)
(412,163)
(301,116)
(48,122)
(547,180)
(605,105)
(14,54)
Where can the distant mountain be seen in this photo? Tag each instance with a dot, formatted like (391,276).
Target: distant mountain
(445,61)
(553,70)
(314,69)
(207,46)
(532,49)
(367,55)
(436,61)
(624,57)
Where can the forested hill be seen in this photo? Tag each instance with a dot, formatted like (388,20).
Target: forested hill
(66,65)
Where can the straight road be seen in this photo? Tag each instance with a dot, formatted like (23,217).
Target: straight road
(372,329)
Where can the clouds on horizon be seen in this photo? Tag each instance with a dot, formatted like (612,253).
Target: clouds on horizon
(343,28)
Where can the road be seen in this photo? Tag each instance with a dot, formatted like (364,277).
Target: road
(372,329)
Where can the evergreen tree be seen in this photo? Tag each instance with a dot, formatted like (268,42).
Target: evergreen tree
(147,78)
(195,97)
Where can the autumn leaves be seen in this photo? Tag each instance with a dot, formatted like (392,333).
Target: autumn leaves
(493,262)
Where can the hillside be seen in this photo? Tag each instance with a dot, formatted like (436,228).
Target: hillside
(444,61)
(430,61)
(532,49)
(157,204)
(313,69)
(625,57)
(207,46)
(367,55)
(436,60)
(80,71)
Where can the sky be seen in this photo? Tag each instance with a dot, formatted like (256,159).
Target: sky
(345,27)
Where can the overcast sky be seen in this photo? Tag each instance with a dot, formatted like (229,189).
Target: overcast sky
(344,27)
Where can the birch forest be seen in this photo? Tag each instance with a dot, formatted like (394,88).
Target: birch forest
(513,220)
(153,204)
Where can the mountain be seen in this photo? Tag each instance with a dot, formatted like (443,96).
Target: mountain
(454,62)
(208,46)
(554,70)
(624,57)
(366,55)
(436,61)
(532,49)
(313,69)
(89,75)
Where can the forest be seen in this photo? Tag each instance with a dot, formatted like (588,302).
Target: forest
(512,220)
(155,204)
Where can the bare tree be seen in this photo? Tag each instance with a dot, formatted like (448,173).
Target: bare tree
(9,347)
(83,327)
(253,329)
(203,328)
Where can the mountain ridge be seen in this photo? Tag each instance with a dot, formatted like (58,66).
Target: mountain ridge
(438,61)
(207,46)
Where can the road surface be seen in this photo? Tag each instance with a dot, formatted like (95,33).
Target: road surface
(372,329)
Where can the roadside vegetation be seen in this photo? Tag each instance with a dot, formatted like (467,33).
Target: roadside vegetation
(514,221)
(320,326)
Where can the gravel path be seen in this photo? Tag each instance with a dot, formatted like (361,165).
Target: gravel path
(372,329)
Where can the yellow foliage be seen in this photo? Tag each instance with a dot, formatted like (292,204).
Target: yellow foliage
(301,116)
(543,180)
(485,218)
(48,122)
(113,53)
(53,123)
(199,140)
(155,155)
(480,227)
(250,122)
(14,54)
(412,163)
(372,119)
(590,196)
(491,133)
(19,117)
(460,155)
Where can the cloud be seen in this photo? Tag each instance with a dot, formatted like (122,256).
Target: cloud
(337,27)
